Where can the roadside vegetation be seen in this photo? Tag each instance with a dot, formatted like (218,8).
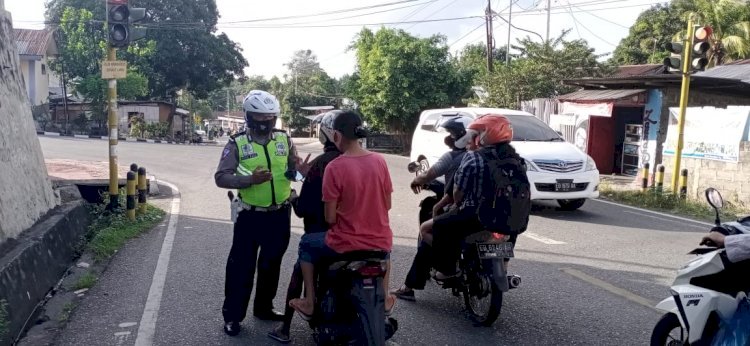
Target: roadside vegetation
(3,320)
(671,204)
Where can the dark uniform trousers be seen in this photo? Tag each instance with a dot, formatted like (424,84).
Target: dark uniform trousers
(267,231)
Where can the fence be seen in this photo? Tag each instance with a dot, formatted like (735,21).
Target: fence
(541,108)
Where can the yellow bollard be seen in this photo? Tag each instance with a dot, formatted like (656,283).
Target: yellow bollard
(660,178)
(131,196)
(142,192)
(644,179)
(134,169)
(683,183)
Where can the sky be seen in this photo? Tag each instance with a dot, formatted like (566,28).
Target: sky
(268,44)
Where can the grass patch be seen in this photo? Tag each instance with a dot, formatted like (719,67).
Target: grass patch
(66,311)
(110,231)
(671,204)
(86,281)
(4,323)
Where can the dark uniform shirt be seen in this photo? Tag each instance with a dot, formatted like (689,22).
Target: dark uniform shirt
(309,206)
(226,176)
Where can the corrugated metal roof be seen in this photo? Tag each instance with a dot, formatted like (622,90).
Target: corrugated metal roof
(638,70)
(739,62)
(600,95)
(33,42)
(737,72)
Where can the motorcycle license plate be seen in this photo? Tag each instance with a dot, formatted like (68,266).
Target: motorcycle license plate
(501,250)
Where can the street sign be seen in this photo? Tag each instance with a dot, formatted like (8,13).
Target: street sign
(114,69)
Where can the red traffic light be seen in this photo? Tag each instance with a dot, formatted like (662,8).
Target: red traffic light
(703,33)
(119,13)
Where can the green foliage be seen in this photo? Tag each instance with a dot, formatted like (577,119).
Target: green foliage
(399,75)
(672,204)
(539,69)
(155,130)
(66,311)
(110,231)
(192,56)
(664,23)
(87,280)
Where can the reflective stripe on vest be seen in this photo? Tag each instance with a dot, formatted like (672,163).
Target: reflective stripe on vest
(274,157)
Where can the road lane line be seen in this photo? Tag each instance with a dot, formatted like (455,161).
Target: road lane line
(147,327)
(655,213)
(542,239)
(610,288)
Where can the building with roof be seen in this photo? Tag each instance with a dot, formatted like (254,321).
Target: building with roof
(35,48)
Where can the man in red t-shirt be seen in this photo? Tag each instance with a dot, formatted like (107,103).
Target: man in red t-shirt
(357,195)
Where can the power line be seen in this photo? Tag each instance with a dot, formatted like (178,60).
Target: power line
(434,12)
(321,13)
(467,34)
(517,28)
(604,19)
(575,20)
(412,13)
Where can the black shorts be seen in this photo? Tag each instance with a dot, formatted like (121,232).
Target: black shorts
(464,221)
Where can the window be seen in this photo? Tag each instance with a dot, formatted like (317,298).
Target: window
(430,122)
(44,69)
(529,128)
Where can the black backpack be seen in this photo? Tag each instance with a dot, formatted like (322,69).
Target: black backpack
(505,202)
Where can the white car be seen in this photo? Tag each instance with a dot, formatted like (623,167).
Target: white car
(557,169)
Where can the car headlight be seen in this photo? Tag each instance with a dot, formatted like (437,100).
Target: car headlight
(590,164)
(530,167)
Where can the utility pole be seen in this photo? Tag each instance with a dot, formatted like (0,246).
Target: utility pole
(510,14)
(490,39)
(114,189)
(549,7)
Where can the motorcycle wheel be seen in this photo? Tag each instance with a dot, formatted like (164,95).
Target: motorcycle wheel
(664,332)
(484,317)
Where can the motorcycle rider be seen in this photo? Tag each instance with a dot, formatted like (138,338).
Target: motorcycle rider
(309,206)
(489,131)
(356,211)
(446,166)
(737,246)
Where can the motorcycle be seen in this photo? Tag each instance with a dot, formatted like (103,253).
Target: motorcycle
(483,278)
(700,297)
(350,304)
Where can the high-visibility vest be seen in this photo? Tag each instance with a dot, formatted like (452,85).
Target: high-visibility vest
(273,156)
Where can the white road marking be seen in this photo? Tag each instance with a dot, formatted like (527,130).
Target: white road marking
(609,287)
(542,239)
(655,213)
(122,333)
(127,324)
(147,327)
(659,218)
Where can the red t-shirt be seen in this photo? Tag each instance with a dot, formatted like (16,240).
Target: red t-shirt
(362,186)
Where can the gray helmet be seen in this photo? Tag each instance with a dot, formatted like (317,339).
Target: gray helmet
(325,134)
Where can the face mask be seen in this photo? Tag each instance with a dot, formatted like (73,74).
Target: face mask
(261,127)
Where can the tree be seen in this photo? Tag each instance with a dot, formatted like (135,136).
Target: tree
(662,24)
(82,47)
(539,69)
(306,84)
(187,51)
(399,75)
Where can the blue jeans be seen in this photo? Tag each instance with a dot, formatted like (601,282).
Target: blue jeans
(313,248)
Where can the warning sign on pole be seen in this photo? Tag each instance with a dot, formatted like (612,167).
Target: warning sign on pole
(114,69)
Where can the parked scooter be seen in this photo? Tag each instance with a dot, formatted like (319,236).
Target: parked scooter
(700,299)
(484,277)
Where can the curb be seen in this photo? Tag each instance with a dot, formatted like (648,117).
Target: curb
(128,139)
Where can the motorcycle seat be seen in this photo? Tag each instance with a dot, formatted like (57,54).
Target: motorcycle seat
(348,257)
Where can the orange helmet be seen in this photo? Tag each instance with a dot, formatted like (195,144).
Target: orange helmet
(491,129)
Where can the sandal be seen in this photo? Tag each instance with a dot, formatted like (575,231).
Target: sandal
(441,278)
(278,335)
(404,293)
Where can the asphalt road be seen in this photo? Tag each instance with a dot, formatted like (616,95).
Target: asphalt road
(590,277)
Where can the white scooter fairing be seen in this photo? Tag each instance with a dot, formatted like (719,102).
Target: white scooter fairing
(693,304)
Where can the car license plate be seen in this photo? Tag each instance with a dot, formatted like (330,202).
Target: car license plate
(501,250)
(564,186)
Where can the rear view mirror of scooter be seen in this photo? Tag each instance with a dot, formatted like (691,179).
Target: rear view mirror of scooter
(716,201)
(413,167)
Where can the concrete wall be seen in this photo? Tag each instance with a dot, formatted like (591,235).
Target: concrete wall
(731,179)
(26,190)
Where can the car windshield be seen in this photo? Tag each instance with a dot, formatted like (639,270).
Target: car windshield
(529,128)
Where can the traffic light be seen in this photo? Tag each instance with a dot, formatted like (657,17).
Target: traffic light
(119,17)
(701,46)
(674,61)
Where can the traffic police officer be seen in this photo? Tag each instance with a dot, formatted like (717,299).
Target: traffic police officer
(257,163)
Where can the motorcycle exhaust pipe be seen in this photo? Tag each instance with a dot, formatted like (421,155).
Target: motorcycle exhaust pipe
(514,281)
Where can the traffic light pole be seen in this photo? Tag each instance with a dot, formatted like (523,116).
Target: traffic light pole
(114,189)
(684,93)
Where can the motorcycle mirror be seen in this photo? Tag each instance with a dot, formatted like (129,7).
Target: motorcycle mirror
(413,166)
(294,176)
(716,201)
